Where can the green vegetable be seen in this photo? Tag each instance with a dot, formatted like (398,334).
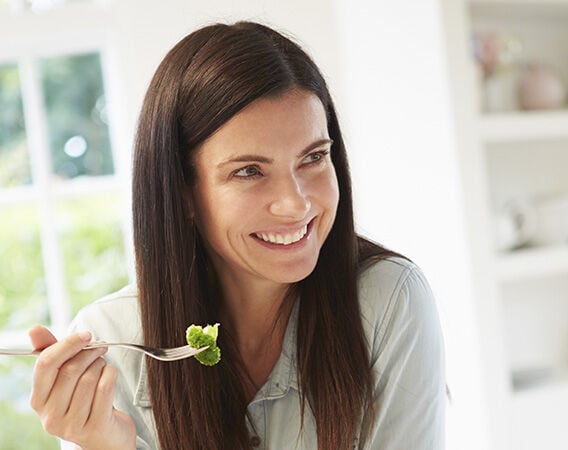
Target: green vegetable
(198,337)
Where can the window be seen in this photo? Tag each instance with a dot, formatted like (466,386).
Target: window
(64,217)
(61,233)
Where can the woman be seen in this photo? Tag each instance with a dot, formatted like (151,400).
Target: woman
(243,216)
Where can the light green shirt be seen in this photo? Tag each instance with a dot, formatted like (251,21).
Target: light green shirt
(401,324)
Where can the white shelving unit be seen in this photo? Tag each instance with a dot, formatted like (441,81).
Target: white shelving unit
(514,156)
(528,126)
(532,263)
(552,399)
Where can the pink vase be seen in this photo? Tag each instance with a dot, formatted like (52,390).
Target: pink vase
(540,88)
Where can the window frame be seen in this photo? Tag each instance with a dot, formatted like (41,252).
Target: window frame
(27,38)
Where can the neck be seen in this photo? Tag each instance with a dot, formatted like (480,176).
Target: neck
(252,311)
(257,315)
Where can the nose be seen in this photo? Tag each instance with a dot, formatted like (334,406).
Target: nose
(289,199)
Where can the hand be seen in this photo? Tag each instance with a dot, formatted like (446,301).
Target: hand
(73,392)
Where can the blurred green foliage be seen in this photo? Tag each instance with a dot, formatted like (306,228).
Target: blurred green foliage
(11,113)
(75,106)
(89,228)
(92,242)
(23,297)
(92,245)
(14,162)
(21,428)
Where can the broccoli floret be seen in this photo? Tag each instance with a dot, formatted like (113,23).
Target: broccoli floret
(198,337)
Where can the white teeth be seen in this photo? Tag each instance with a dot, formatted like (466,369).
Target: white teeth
(285,239)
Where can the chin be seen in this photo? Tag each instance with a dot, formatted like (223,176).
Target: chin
(294,274)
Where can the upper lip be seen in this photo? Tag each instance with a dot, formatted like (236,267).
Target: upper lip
(288,229)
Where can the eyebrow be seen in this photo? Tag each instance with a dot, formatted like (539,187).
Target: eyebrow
(264,159)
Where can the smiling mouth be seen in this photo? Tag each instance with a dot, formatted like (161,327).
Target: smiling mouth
(283,239)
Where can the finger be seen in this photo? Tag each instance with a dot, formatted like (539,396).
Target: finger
(41,337)
(68,377)
(83,396)
(102,408)
(50,361)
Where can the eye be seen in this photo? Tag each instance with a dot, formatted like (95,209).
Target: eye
(315,157)
(248,172)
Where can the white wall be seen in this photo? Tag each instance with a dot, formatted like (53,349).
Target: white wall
(407,178)
(144,30)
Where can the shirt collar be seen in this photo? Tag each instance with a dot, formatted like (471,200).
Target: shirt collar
(142,393)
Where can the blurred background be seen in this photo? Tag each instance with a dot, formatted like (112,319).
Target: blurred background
(455,117)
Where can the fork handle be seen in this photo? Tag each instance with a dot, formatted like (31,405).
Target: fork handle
(99,345)
(17,352)
(24,352)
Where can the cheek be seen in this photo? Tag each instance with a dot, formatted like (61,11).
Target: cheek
(335,190)
(329,190)
(204,201)
(220,211)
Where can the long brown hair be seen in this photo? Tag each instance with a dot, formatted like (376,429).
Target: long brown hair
(207,78)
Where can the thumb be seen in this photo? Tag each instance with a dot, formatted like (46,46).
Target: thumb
(41,337)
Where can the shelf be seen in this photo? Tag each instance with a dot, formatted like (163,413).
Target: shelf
(522,157)
(539,417)
(551,392)
(532,263)
(517,126)
(506,8)
(525,381)
(521,3)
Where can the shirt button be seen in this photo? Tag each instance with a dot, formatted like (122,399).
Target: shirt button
(254,441)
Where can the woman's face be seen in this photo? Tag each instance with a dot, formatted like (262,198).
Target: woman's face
(266,192)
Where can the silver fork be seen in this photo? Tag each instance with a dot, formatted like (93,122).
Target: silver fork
(163,354)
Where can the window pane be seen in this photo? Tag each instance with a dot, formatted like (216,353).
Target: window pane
(93,248)
(76,115)
(14,159)
(23,299)
(21,428)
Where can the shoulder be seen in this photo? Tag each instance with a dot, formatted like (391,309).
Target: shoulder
(407,355)
(386,276)
(114,317)
(395,298)
(381,285)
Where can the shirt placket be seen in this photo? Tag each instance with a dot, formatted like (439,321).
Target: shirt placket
(257,430)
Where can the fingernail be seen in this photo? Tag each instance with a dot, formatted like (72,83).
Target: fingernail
(85,336)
